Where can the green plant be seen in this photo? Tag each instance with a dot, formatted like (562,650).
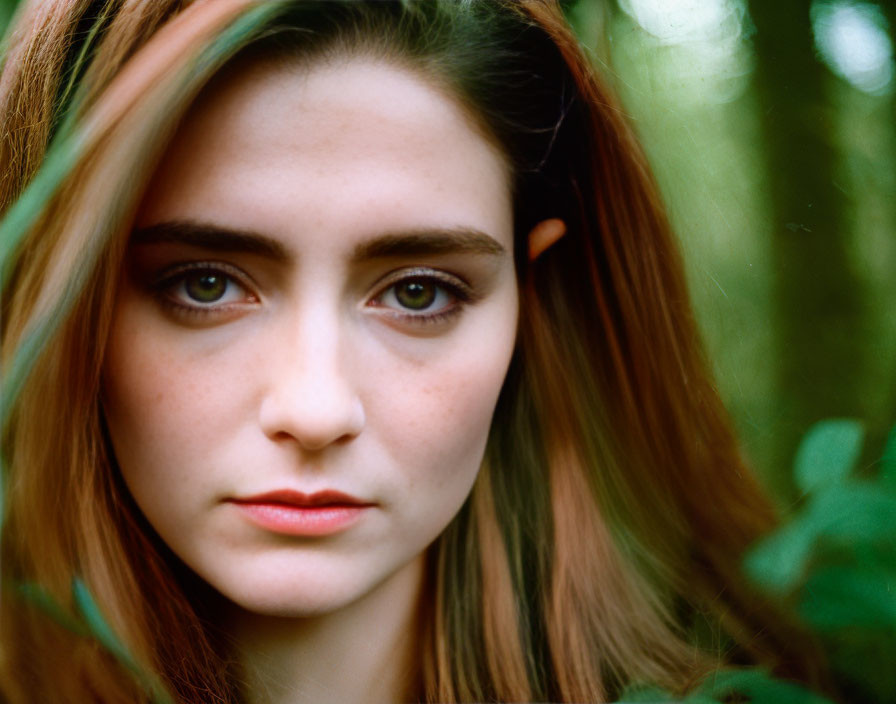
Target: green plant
(835,561)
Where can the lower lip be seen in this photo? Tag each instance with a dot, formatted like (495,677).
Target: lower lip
(302,520)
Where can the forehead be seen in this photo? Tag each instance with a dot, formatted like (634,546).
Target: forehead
(344,147)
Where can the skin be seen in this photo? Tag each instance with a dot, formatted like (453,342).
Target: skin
(309,371)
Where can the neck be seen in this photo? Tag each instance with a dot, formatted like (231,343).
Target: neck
(364,652)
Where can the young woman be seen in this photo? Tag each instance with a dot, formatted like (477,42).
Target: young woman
(347,357)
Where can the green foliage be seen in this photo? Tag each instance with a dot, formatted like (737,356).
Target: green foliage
(90,623)
(888,461)
(849,519)
(828,453)
(97,625)
(835,561)
(7,10)
(741,685)
(757,686)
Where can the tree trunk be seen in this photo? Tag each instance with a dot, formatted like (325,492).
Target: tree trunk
(818,298)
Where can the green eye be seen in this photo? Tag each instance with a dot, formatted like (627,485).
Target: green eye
(416,294)
(423,295)
(205,287)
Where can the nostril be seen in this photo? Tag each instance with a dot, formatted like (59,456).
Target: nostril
(312,419)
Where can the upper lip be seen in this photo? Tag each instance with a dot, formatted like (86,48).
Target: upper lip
(297,498)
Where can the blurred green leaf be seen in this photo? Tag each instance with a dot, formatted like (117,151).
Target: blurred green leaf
(777,563)
(835,561)
(38,596)
(828,453)
(759,687)
(92,624)
(7,10)
(843,597)
(853,513)
(850,518)
(654,695)
(888,461)
(101,630)
(752,685)
(639,695)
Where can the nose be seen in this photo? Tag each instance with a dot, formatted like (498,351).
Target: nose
(310,399)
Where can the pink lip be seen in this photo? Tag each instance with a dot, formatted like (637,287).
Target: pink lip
(294,513)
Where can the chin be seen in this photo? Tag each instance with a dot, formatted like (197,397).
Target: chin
(291,607)
(290,599)
(308,593)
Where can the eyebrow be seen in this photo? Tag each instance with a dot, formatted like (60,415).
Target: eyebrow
(208,236)
(415,242)
(454,240)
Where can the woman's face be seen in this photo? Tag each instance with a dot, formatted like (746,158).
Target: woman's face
(316,316)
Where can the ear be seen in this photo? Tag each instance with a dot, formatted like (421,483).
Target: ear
(543,235)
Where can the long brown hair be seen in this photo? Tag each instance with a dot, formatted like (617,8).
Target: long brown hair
(600,546)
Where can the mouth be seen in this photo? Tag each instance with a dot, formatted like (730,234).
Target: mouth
(291,512)
(297,499)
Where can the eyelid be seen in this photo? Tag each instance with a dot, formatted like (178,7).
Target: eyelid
(169,273)
(453,282)
(174,274)
(455,287)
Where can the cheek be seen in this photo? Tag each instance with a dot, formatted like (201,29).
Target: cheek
(446,407)
(138,406)
(163,409)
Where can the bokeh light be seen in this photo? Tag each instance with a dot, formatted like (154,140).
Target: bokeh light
(852,39)
(703,45)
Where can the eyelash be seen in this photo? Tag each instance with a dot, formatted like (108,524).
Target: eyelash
(461,293)
(177,275)
(458,290)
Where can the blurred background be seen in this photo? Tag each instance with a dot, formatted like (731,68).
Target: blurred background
(770,128)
